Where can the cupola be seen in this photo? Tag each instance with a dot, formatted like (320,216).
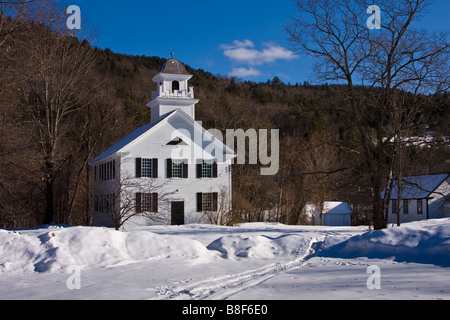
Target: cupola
(172,92)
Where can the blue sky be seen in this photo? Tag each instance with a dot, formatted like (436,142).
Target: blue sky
(243,38)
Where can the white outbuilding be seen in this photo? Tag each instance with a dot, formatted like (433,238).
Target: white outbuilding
(334,214)
(422,197)
(171,171)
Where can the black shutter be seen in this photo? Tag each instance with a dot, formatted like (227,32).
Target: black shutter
(138,202)
(185,169)
(199,168)
(214,169)
(138,167)
(214,201)
(169,168)
(154,168)
(154,202)
(199,202)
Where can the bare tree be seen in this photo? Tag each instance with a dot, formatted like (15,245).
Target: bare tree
(59,76)
(378,67)
(17,17)
(223,215)
(320,164)
(125,199)
(15,14)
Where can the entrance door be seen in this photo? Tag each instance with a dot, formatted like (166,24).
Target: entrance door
(178,213)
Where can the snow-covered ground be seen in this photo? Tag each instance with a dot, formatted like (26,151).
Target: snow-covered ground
(256,261)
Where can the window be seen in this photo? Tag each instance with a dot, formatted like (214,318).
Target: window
(146,202)
(175,86)
(146,168)
(207,201)
(419,206)
(394,206)
(206,169)
(177,168)
(176,142)
(405,207)
(105,171)
(105,203)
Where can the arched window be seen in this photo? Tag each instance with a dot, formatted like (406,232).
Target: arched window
(175,85)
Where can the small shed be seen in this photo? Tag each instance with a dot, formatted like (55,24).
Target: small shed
(335,214)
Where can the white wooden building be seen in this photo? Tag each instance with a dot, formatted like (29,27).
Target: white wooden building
(422,197)
(334,214)
(171,171)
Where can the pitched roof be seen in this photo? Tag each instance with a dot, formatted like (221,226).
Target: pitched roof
(127,140)
(145,129)
(419,187)
(335,207)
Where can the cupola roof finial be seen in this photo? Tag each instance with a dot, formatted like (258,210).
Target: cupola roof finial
(173,66)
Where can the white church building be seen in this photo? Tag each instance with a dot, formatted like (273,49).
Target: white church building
(171,171)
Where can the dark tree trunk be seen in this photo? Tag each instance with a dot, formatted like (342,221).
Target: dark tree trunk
(49,202)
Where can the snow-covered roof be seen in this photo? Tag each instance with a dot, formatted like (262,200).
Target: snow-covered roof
(419,187)
(336,207)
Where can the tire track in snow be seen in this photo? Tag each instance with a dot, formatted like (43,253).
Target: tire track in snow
(223,287)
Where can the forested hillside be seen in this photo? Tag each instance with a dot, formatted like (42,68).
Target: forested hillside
(63,102)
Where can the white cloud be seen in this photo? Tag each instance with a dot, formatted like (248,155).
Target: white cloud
(275,52)
(245,72)
(244,52)
(238,44)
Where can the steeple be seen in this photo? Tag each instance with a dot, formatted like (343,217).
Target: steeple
(173,91)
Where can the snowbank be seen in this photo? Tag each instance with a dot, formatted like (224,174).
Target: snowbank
(53,249)
(421,242)
(235,247)
(56,248)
